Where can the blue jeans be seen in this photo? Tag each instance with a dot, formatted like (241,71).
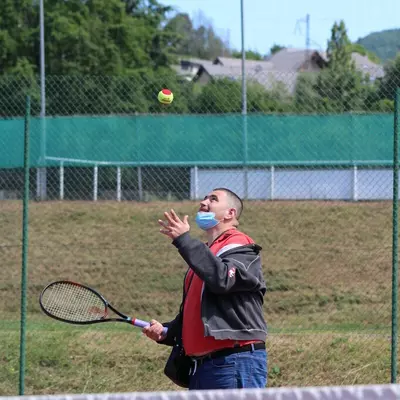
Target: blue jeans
(236,371)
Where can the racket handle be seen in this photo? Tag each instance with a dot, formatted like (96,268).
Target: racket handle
(142,324)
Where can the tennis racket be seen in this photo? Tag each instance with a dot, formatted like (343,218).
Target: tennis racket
(78,304)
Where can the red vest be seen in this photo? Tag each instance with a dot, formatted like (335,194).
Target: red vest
(194,341)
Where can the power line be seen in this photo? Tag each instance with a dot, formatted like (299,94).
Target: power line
(308,39)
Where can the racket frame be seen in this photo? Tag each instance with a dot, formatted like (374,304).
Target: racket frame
(107,305)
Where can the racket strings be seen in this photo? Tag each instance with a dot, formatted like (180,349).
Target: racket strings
(73,302)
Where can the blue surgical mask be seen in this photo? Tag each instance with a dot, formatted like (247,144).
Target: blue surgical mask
(206,220)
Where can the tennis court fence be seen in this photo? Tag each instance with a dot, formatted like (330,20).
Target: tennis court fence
(328,265)
(108,138)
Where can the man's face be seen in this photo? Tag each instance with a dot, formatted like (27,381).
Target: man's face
(217,202)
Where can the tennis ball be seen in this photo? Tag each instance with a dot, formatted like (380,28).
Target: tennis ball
(165,96)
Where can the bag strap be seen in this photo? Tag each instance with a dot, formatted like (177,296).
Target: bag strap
(179,338)
(185,291)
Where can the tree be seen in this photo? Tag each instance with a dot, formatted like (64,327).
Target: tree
(197,38)
(219,96)
(275,48)
(88,45)
(339,49)
(250,55)
(360,49)
(224,95)
(18,28)
(306,98)
(390,80)
(340,84)
(86,37)
(275,99)
(182,26)
(385,44)
(340,87)
(161,44)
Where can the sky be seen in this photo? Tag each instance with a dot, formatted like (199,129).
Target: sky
(283,21)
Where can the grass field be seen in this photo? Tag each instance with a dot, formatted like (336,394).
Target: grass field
(328,306)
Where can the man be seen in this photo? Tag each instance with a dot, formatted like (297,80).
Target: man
(223,327)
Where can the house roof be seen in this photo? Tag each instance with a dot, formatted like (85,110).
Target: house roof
(250,64)
(364,64)
(291,60)
(267,78)
(197,61)
(283,66)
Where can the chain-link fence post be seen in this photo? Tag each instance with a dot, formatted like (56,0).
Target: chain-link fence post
(395,279)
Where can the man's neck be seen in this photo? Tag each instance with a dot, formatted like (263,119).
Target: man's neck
(218,230)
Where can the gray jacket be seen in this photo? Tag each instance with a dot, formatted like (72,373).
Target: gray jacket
(233,290)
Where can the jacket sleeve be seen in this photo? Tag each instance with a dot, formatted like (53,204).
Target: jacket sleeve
(174,330)
(221,275)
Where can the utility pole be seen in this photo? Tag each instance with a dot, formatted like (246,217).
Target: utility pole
(244,103)
(308,40)
(41,178)
(308,32)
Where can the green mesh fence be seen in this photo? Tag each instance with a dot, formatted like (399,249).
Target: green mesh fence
(176,139)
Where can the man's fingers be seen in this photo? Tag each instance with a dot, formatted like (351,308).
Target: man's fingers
(174,216)
(174,226)
(154,330)
(165,228)
(146,330)
(151,327)
(169,218)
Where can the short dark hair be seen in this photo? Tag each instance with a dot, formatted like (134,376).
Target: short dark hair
(234,199)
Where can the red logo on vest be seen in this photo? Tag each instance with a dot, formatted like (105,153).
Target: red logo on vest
(232,272)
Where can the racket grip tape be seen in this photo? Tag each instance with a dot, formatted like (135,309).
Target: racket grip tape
(142,324)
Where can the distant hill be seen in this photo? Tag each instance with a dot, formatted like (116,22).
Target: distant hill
(385,44)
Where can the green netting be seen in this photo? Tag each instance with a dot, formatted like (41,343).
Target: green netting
(206,140)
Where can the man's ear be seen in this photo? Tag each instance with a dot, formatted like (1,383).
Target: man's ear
(231,214)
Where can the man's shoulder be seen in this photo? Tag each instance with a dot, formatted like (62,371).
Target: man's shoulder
(237,237)
(230,240)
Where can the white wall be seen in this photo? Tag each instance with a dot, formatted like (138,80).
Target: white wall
(297,184)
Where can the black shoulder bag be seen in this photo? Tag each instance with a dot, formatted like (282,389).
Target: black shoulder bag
(178,365)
